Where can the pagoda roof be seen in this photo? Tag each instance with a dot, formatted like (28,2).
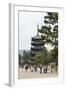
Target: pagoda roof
(37,37)
(35,42)
(32,58)
(36,48)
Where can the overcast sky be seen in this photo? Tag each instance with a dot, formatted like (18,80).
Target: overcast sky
(28,27)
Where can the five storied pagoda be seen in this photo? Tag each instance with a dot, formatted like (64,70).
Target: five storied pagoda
(37,45)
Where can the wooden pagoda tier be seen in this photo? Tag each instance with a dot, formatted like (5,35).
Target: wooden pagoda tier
(37,45)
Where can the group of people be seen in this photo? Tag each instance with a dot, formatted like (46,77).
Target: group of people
(43,69)
(35,68)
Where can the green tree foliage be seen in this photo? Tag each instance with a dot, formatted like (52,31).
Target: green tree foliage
(26,57)
(20,59)
(44,57)
(49,32)
(39,58)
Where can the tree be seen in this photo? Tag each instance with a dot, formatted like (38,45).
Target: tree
(44,57)
(39,58)
(20,59)
(49,32)
(26,57)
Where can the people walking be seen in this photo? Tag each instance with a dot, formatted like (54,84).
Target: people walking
(40,69)
(26,67)
(51,69)
(46,69)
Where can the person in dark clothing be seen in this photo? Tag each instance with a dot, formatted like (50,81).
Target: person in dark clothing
(35,68)
(46,69)
(26,67)
(40,69)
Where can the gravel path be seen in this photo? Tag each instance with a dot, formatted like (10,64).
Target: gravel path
(22,74)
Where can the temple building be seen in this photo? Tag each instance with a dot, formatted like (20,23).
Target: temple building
(37,45)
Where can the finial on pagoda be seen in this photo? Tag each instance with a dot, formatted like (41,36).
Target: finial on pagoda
(37,29)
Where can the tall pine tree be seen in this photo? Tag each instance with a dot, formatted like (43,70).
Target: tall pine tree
(49,32)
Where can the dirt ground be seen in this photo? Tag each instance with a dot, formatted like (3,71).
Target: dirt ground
(22,74)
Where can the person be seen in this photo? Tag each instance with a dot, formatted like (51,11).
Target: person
(46,69)
(35,68)
(40,69)
(26,67)
(31,68)
(51,69)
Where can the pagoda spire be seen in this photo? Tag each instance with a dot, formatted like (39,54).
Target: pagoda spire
(37,29)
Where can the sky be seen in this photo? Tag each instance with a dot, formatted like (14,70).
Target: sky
(28,27)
